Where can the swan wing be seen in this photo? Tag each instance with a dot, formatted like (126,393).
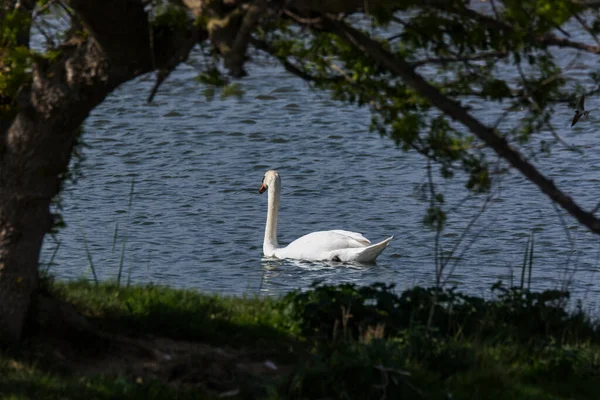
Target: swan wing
(333,246)
(317,245)
(354,235)
(366,254)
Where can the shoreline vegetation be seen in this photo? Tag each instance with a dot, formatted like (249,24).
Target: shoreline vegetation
(334,342)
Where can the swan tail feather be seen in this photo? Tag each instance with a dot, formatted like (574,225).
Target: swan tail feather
(370,253)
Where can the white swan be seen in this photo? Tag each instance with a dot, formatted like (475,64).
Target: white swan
(336,245)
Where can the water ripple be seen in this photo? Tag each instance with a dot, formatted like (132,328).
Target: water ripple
(197,220)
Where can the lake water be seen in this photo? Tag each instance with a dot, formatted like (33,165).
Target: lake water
(197,220)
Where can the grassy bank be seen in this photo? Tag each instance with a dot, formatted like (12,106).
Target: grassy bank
(331,342)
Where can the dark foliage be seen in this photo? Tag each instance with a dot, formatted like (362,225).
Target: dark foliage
(521,315)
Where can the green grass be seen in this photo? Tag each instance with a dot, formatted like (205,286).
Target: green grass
(340,342)
(19,382)
(181,314)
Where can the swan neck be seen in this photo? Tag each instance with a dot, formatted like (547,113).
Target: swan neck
(270,243)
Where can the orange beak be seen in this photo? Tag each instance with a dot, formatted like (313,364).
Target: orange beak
(262,188)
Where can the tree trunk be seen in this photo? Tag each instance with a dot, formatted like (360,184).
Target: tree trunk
(34,154)
(24,216)
(23,222)
(35,147)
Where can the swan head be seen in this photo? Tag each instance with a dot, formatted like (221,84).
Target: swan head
(271,178)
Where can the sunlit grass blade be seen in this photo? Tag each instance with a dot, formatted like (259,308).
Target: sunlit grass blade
(115,235)
(122,257)
(524,266)
(51,261)
(530,263)
(129,277)
(121,261)
(90,261)
(130,197)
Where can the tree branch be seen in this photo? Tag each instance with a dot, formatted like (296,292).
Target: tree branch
(472,57)
(180,55)
(545,39)
(588,4)
(306,7)
(551,40)
(290,67)
(400,67)
(235,58)
(585,26)
(120,27)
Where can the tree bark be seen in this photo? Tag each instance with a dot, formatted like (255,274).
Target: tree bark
(21,217)
(36,152)
(23,222)
(36,146)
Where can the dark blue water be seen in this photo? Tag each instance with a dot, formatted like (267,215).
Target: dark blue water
(197,221)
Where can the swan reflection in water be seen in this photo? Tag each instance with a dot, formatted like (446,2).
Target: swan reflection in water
(304,273)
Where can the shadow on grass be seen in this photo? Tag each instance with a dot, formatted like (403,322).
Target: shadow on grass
(43,386)
(150,342)
(330,342)
(252,322)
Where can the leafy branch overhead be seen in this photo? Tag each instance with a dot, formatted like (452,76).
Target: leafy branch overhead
(420,66)
(409,60)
